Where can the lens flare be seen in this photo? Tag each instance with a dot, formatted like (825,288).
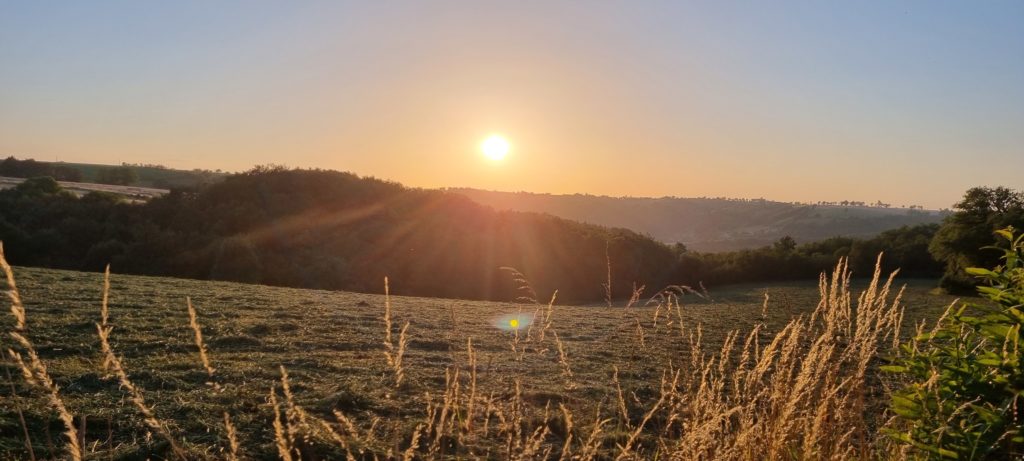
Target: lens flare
(512,322)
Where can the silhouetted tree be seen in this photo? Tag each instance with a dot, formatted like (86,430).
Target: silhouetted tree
(959,242)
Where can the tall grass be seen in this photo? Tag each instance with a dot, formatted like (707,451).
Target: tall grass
(34,371)
(394,352)
(806,391)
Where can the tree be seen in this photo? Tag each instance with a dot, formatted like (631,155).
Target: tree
(961,239)
(34,187)
(785,245)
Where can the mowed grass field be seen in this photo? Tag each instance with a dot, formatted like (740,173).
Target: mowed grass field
(332,346)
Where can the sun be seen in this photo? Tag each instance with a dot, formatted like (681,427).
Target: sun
(495,147)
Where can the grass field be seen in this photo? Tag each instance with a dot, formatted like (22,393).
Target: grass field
(332,346)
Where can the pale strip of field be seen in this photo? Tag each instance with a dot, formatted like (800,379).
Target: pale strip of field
(82,188)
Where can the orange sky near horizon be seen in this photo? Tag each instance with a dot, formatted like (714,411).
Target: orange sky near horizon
(796,103)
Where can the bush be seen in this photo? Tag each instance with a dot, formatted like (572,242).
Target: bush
(966,374)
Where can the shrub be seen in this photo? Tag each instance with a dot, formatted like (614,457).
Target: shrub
(966,376)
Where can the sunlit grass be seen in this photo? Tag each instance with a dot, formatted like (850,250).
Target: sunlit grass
(725,378)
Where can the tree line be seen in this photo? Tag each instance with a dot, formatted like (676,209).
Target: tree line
(29,168)
(335,230)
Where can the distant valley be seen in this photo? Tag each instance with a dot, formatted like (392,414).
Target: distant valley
(702,224)
(712,224)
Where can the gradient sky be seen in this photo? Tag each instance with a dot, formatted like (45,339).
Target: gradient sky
(905,102)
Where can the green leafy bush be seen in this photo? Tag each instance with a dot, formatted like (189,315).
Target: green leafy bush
(963,401)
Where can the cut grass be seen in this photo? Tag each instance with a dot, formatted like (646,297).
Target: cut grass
(554,396)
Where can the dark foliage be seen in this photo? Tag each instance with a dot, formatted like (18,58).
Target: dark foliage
(325,229)
(905,248)
(333,230)
(29,168)
(961,241)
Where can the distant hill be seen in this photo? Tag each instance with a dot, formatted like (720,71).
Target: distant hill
(330,230)
(336,230)
(145,176)
(711,224)
(152,176)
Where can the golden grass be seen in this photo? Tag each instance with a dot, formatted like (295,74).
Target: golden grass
(802,392)
(34,370)
(135,394)
(394,353)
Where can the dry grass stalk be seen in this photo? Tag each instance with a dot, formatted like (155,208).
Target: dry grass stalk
(592,445)
(567,445)
(623,411)
(531,448)
(804,394)
(467,425)
(26,372)
(403,342)
(21,415)
(388,345)
(298,425)
(510,421)
(563,360)
(635,297)
(135,395)
(626,449)
(518,352)
(663,304)
(35,371)
(414,444)
(232,434)
(284,446)
(337,438)
(394,353)
(641,337)
(678,291)
(449,408)
(111,360)
(193,322)
(488,411)
(105,311)
(17,308)
(522,285)
(295,418)
(547,316)
(533,321)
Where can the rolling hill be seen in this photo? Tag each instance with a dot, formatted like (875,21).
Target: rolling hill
(702,224)
(711,224)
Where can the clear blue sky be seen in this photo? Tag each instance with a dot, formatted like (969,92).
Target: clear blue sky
(906,102)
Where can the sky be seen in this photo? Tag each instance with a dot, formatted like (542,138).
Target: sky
(908,102)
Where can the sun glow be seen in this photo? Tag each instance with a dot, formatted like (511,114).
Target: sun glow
(495,147)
